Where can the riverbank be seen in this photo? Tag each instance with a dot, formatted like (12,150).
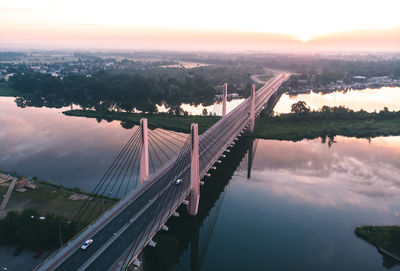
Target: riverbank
(327,122)
(47,198)
(6,91)
(277,128)
(385,238)
(298,130)
(161,120)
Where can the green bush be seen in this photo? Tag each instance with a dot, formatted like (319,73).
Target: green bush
(30,230)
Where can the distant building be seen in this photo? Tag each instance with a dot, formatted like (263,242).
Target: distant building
(7,77)
(233,96)
(380,79)
(359,78)
(230,96)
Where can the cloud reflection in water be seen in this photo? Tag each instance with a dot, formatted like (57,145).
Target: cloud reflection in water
(352,172)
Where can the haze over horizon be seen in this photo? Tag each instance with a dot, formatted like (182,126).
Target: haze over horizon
(299,26)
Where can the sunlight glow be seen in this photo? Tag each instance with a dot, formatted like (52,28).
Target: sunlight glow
(302,19)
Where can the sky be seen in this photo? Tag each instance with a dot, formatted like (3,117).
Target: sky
(201,25)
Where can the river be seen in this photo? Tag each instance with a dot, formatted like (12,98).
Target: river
(367,99)
(298,209)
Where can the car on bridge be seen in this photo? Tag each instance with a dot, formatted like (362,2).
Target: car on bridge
(87,244)
(178,181)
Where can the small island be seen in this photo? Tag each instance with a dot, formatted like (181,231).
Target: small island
(301,123)
(385,238)
(174,122)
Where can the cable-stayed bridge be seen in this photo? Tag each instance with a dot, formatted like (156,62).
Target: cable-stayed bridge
(130,224)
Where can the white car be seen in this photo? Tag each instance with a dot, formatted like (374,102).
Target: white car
(178,181)
(86,244)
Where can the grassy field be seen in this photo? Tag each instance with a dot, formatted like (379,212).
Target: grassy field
(5,90)
(298,130)
(162,120)
(48,198)
(265,77)
(386,237)
(265,128)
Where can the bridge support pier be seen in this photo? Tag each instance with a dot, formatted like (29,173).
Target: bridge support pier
(250,159)
(144,155)
(224,101)
(194,195)
(252,107)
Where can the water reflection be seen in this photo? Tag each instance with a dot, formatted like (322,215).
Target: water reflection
(215,108)
(367,99)
(353,171)
(185,245)
(302,201)
(209,106)
(69,151)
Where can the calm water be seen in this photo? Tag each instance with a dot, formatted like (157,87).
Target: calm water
(215,108)
(43,142)
(367,99)
(298,210)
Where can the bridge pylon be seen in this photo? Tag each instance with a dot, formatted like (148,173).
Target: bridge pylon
(144,154)
(252,107)
(224,99)
(194,195)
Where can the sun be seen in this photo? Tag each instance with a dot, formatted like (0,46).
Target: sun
(304,37)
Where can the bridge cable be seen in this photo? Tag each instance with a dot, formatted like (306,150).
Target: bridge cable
(134,155)
(112,181)
(165,135)
(158,142)
(172,135)
(105,176)
(178,164)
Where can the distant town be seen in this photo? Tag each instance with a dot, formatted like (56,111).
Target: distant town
(83,65)
(357,82)
(324,79)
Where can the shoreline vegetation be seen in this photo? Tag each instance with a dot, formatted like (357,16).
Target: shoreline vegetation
(385,238)
(7,91)
(44,211)
(160,120)
(129,90)
(300,124)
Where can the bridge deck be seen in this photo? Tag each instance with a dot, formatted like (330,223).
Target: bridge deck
(125,229)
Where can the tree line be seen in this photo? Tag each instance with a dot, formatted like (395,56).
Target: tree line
(301,111)
(129,90)
(30,230)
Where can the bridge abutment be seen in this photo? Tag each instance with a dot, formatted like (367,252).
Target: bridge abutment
(194,195)
(144,154)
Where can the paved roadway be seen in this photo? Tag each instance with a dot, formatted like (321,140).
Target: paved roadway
(145,210)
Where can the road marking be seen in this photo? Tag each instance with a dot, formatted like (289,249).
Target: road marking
(121,230)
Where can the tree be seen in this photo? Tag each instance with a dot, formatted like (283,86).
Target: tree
(300,108)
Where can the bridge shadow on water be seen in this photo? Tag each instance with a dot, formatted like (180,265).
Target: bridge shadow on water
(184,245)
